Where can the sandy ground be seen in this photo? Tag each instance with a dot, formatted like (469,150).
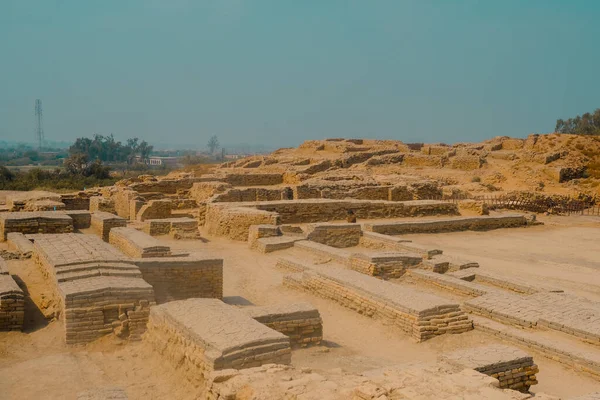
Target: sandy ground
(37,365)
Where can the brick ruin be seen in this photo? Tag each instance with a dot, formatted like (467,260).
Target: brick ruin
(109,256)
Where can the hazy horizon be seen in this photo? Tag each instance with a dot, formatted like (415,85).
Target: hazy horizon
(279,72)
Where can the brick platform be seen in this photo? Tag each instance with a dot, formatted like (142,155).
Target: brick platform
(34,222)
(100,289)
(301,322)
(137,244)
(513,368)
(200,336)
(421,315)
(102,222)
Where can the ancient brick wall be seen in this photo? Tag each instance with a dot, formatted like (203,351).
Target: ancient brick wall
(179,278)
(335,235)
(235,222)
(155,209)
(301,322)
(12,303)
(447,224)
(408,310)
(103,222)
(34,222)
(99,203)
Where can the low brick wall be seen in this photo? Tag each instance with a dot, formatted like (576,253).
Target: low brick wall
(12,303)
(199,336)
(234,222)
(384,265)
(170,226)
(137,244)
(301,322)
(335,235)
(103,222)
(99,289)
(155,209)
(447,225)
(82,219)
(34,222)
(18,242)
(180,278)
(421,315)
(513,368)
(99,203)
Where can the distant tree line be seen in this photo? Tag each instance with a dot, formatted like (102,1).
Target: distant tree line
(107,149)
(586,124)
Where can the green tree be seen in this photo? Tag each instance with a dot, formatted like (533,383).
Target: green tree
(586,124)
(213,144)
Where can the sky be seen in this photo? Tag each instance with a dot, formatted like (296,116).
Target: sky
(278,72)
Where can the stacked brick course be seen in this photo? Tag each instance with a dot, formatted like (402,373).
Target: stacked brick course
(12,302)
(35,222)
(155,209)
(447,225)
(81,218)
(385,265)
(178,278)
(301,322)
(171,226)
(137,244)
(103,222)
(513,368)
(99,203)
(421,315)
(199,336)
(335,235)
(18,242)
(97,286)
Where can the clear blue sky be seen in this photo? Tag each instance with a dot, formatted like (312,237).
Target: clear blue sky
(277,72)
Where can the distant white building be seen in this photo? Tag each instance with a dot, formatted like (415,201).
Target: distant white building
(158,161)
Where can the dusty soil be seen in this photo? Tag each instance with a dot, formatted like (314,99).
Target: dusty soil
(36,364)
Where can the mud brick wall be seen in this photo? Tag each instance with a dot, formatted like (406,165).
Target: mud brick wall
(301,322)
(155,227)
(165,186)
(256,232)
(18,242)
(422,160)
(385,265)
(448,225)
(155,209)
(122,200)
(103,222)
(202,191)
(254,179)
(137,244)
(199,336)
(81,218)
(235,222)
(34,222)
(451,283)
(78,201)
(12,303)
(323,210)
(420,315)
(513,368)
(335,235)
(99,203)
(89,315)
(466,162)
(180,278)
(249,194)
(474,206)
(433,150)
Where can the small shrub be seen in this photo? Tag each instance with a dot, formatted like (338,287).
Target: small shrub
(476,179)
